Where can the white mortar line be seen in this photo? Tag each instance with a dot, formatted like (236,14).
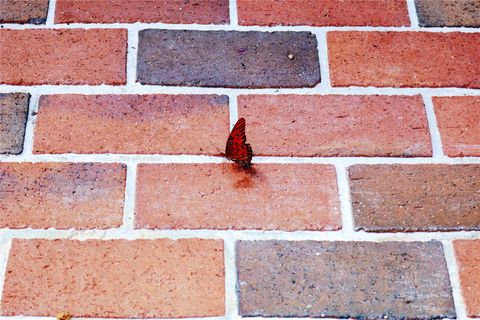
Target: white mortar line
(29,128)
(412,13)
(433,127)
(323,60)
(132,48)
(345,198)
(129,204)
(51,14)
(233,109)
(454,279)
(231,299)
(233,13)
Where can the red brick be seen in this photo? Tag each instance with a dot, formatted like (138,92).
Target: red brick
(404,59)
(23,11)
(116,278)
(323,13)
(334,125)
(467,253)
(61,195)
(128,11)
(68,56)
(458,119)
(168,124)
(226,196)
(423,197)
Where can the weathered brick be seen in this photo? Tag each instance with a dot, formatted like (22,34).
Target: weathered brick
(365,280)
(128,11)
(458,119)
(168,124)
(61,195)
(68,56)
(23,11)
(467,253)
(404,59)
(415,197)
(334,125)
(115,278)
(13,118)
(448,13)
(323,13)
(226,196)
(227,58)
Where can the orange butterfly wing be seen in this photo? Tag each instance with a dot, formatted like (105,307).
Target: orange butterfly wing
(237,149)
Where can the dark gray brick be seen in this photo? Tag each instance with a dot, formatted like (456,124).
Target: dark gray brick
(448,13)
(23,11)
(13,118)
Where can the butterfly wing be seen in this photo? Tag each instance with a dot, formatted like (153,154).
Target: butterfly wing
(237,149)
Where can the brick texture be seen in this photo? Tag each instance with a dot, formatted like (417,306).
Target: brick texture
(13,118)
(68,56)
(128,11)
(168,124)
(362,280)
(467,253)
(448,13)
(458,119)
(225,196)
(227,58)
(333,125)
(116,278)
(23,11)
(415,197)
(404,59)
(323,13)
(61,195)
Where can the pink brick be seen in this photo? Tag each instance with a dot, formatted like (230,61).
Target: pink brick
(467,253)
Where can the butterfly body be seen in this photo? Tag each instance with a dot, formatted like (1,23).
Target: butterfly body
(237,149)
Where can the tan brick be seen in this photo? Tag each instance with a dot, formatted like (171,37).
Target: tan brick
(467,253)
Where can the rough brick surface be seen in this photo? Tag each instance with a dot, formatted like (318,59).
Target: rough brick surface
(415,197)
(128,11)
(343,279)
(323,13)
(228,58)
(68,56)
(448,13)
(458,119)
(226,196)
(23,11)
(61,195)
(404,59)
(467,253)
(13,118)
(333,125)
(116,278)
(168,124)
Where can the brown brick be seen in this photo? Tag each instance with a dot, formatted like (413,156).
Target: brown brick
(227,58)
(226,196)
(334,125)
(61,195)
(168,124)
(116,278)
(365,280)
(13,118)
(323,13)
(415,197)
(458,119)
(404,59)
(467,253)
(68,56)
(23,11)
(128,11)
(448,13)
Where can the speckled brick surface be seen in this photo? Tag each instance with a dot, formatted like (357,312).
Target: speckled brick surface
(467,253)
(13,119)
(448,13)
(23,11)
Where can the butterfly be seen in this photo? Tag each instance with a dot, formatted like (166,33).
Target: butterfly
(237,149)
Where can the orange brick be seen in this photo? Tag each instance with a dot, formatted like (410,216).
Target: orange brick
(334,125)
(226,196)
(128,11)
(115,278)
(458,119)
(61,195)
(404,59)
(467,253)
(69,56)
(323,13)
(168,124)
